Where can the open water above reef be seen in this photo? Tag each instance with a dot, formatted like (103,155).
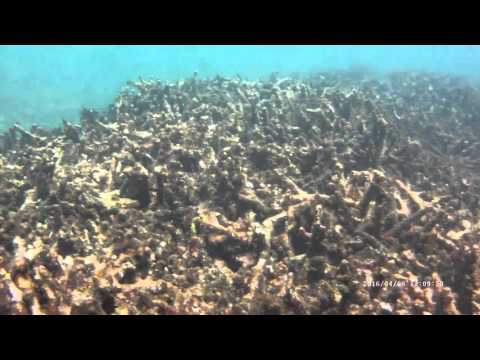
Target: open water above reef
(42,84)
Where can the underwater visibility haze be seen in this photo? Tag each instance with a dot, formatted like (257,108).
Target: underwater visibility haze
(42,84)
(239,179)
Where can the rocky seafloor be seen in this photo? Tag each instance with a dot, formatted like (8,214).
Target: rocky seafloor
(332,193)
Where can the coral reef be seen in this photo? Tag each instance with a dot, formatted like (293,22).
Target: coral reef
(333,193)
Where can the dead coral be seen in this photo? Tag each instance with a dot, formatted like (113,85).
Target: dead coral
(225,196)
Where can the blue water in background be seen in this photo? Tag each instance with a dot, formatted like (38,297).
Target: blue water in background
(42,84)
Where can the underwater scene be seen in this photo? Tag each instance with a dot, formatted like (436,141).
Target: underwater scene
(239,180)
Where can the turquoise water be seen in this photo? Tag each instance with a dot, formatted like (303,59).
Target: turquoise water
(42,84)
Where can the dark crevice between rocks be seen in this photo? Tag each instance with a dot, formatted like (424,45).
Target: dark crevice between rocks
(107,301)
(136,187)
(463,282)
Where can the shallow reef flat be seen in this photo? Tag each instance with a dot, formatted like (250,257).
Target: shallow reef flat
(332,193)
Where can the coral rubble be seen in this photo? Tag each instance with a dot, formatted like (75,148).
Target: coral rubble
(334,193)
